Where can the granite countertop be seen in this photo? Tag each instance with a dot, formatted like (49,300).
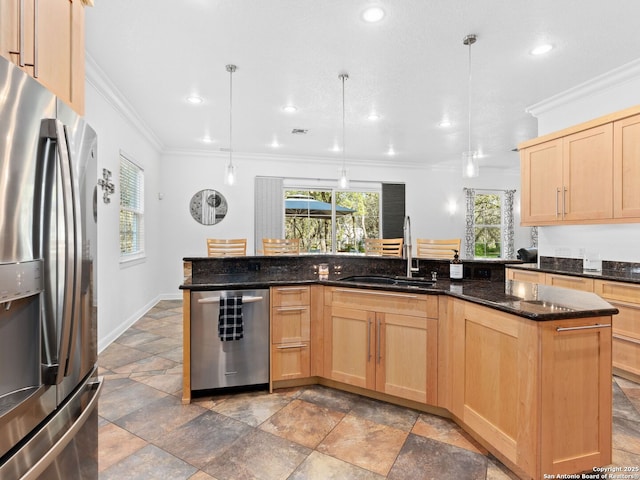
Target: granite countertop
(629,274)
(528,300)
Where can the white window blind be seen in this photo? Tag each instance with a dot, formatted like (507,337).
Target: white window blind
(131,210)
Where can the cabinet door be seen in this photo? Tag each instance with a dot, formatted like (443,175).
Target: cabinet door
(575,405)
(541,170)
(406,357)
(53,46)
(349,346)
(588,174)
(568,281)
(495,378)
(626,172)
(9,29)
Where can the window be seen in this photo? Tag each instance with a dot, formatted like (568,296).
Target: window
(131,210)
(488,225)
(327,220)
(490,230)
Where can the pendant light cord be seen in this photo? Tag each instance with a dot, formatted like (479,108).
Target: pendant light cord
(231,69)
(469,40)
(343,77)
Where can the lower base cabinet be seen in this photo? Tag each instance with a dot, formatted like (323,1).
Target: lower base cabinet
(538,392)
(626,325)
(387,344)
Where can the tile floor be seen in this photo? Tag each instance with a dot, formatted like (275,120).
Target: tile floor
(301,433)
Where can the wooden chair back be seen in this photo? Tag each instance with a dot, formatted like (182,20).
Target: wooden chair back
(386,247)
(281,246)
(220,247)
(437,248)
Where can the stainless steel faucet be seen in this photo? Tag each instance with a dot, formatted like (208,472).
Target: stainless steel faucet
(407,247)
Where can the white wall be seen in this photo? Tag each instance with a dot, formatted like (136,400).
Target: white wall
(606,94)
(428,194)
(124,292)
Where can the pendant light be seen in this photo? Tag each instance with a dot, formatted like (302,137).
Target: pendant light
(470,167)
(343,182)
(230,171)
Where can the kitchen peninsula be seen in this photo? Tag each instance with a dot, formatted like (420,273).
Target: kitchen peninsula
(524,368)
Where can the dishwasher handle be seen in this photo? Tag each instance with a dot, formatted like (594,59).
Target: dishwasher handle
(247,299)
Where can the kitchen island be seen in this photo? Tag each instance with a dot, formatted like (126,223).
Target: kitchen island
(524,368)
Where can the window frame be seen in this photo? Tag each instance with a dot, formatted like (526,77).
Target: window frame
(137,210)
(506,222)
(357,187)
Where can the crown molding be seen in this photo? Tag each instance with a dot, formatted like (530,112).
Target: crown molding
(98,79)
(614,77)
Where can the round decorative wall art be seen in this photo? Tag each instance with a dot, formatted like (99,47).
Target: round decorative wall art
(208,207)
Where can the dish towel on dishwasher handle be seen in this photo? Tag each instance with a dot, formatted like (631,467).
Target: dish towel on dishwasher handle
(230,323)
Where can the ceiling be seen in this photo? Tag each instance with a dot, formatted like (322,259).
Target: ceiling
(411,68)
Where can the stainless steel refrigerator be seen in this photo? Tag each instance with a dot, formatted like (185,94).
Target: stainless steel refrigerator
(49,387)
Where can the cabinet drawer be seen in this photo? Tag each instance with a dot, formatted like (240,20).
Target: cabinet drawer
(525,276)
(626,292)
(626,354)
(567,281)
(290,324)
(418,305)
(627,322)
(294,295)
(290,361)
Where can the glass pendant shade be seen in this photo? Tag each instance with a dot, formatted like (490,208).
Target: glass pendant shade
(230,174)
(470,167)
(343,181)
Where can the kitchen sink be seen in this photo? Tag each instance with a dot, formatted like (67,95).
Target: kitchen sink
(387,280)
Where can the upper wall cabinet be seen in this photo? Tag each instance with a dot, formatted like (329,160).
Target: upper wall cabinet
(46,39)
(626,173)
(587,174)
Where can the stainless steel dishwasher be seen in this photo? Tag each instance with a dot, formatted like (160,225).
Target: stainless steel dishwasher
(218,364)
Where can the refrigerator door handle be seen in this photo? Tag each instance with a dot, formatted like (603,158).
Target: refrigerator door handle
(75,254)
(54,130)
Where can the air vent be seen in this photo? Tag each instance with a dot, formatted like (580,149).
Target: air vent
(299,131)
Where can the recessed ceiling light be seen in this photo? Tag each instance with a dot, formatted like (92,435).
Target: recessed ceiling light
(373,117)
(290,108)
(373,14)
(444,124)
(274,144)
(208,139)
(336,148)
(194,99)
(391,151)
(542,49)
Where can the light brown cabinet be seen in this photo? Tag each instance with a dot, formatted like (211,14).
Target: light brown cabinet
(626,160)
(518,383)
(290,332)
(46,39)
(569,179)
(626,325)
(569,281)
(370,337)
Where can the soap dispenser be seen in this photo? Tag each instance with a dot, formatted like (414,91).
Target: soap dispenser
(455,267)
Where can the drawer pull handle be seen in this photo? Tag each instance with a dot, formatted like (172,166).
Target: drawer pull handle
(217,300)
(291,309)
(291,289)
(584,327)
(371,292)
(284,347)
(624,338)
